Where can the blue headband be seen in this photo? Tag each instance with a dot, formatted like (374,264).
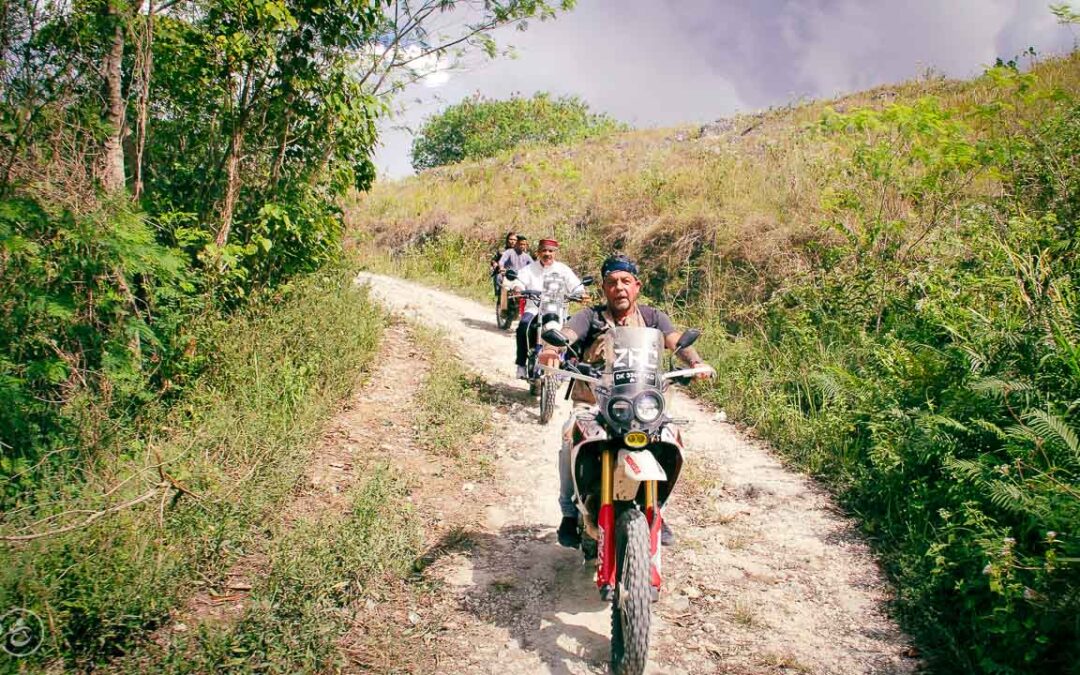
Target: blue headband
(619,264)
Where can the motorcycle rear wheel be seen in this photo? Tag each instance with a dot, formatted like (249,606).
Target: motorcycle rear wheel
(632,607)
(549,388)
(503,318)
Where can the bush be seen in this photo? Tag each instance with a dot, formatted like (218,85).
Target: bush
(477,128)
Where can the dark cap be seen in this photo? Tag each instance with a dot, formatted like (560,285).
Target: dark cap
(618,263)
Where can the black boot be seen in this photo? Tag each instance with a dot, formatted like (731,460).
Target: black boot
(568,532)
(667,537)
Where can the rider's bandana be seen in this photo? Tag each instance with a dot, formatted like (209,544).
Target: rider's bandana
(618,265)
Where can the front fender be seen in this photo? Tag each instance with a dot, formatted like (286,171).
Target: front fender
(640,465)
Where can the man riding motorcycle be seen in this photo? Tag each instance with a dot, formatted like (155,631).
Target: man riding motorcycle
(532,278)
(517,259)
(586,331)
(510,243)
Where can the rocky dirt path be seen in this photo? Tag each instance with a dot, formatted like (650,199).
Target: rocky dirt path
(767,575)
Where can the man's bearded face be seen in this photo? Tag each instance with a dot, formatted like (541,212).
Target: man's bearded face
(546,255)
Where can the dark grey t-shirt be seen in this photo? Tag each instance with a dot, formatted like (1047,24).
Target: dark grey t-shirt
(583,320)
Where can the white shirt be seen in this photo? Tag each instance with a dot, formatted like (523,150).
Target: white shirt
(532,278)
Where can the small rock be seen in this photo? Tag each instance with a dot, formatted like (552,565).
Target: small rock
(692,592)
(414,618)
(179,628)
(720,416)
(369,604)
(679,603)
(468,487)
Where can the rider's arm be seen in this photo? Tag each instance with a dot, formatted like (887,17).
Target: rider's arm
(688,355)
(504,258)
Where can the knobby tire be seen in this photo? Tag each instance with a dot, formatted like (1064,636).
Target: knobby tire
(631,610)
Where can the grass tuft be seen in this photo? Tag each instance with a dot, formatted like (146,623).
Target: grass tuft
(452,419)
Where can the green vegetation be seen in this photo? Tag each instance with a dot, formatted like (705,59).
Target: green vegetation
(214,464)
(158,167)
(887,284)
(478,128)
(174,324)
(452,416)
(320,575)
(446,260)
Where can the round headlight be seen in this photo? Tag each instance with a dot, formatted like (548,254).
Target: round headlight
(621,410)
(648,406)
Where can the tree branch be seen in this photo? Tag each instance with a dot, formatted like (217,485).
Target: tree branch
(89,520)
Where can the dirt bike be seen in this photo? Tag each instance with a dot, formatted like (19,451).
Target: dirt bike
(506,315)
(626,459)
(554,301)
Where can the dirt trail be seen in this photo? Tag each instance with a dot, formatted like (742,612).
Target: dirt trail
(767,574)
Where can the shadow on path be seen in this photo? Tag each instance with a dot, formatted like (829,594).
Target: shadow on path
(541,594)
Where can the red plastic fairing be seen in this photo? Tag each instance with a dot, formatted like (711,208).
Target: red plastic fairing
(655,521)
(605,571)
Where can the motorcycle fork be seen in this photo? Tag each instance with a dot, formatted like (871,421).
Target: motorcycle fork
(655,520)
(605,521)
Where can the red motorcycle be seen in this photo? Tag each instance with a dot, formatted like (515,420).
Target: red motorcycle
(625,461)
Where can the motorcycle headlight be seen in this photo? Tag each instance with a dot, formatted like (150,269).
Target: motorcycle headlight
(648,406)
(621,410)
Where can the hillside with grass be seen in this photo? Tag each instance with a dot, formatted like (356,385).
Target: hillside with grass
(886,282)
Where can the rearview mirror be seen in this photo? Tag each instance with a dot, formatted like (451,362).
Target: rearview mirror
(687,338)
(510,274)
(555,338)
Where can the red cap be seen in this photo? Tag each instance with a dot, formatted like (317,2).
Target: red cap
(548,243)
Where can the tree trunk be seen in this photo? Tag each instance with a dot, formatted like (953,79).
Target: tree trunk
(147,57)
(232,185)
(112,176)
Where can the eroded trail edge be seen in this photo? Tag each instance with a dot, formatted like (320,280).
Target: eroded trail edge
(767,575)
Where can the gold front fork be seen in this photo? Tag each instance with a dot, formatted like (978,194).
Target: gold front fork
(607,476)
(650,496)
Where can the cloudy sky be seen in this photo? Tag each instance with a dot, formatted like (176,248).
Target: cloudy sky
(665,62)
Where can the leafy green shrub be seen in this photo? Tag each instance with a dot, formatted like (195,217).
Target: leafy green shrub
(478,128)
(932,374)
(89,326)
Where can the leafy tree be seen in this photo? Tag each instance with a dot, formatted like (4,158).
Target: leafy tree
(478,128)
(167,159)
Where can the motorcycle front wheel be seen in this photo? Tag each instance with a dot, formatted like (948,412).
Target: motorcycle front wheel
(632,606)
(548,391)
